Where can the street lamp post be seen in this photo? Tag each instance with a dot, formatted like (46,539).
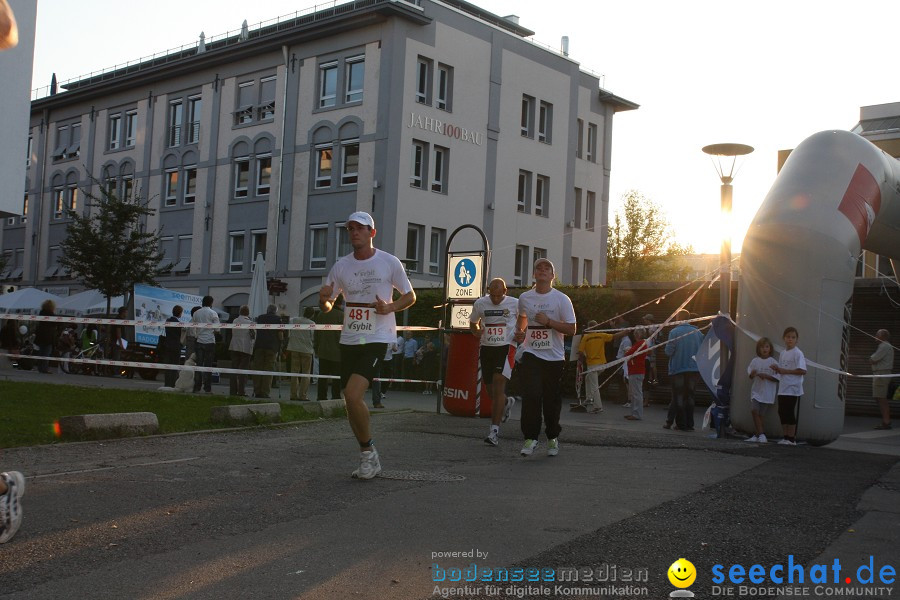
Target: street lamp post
(722,153)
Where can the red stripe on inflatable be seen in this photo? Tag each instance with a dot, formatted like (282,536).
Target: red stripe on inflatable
(861,202)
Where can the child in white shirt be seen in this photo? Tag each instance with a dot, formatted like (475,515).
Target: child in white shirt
(764,386)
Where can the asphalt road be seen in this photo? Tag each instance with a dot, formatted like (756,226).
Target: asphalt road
(273,513)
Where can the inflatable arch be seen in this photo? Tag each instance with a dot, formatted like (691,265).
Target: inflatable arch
(836,195)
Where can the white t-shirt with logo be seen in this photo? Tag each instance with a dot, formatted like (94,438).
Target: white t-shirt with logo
(763,390)
(791,385)
(360,281)
(543,341)
(497,320)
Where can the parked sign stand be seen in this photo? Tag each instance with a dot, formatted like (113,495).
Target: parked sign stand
(465,281)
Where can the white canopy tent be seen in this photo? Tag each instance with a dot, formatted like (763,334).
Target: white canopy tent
(25,301)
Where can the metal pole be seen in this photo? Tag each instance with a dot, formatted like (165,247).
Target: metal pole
(725,257)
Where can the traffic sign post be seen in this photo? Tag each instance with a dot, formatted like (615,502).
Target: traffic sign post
(465,281)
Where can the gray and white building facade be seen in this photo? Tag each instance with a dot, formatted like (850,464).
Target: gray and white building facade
(428,114)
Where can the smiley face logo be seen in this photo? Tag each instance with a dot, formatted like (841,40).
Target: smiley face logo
(682,573)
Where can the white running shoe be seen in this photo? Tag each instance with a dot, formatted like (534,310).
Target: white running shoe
(553,447)
(529,447)
(786,442)
(10,507)
(510,402)
(755,438)
(492,439)
(369,465)
(762,439)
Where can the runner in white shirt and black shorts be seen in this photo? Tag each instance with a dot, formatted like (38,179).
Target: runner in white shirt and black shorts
(367,278)
(546,316)
(493,322)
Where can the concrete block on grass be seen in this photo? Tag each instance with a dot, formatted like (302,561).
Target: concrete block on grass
(324,408)
(109,425)
(248,414)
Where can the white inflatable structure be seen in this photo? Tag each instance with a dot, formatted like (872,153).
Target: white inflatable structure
(836,195)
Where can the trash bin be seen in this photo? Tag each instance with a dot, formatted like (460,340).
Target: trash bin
(464,393)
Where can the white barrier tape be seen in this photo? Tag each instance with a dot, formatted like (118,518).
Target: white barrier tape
(161,324)
(163,366)
(756,337)
(625,359)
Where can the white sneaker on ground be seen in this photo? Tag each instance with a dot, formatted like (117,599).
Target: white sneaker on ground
(510,402)
(10,507)
(762,439)
(492,439)
(553,447)
(529,447)
(627,405)
(369,465)
(786,442)
(755,438)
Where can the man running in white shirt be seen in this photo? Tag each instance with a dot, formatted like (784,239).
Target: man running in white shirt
(546,316)
(493,322)
(367,279)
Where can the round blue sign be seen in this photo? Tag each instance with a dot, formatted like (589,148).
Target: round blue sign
(465,273)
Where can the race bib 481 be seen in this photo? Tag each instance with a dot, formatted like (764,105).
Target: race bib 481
(359,318)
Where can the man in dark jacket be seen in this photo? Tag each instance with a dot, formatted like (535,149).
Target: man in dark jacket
(265,351)
(172,347)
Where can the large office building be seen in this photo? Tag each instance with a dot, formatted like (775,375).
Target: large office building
(428,114)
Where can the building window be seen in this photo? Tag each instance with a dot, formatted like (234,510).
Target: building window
(59,202)
(115,131)
(579,139)
(241,177)
(349,162)
(127,187)
(343,240)
(436,250)
(520,268)
(172,187)
(263,175)
(328,84)
(245,105)
(266,108)
(545,122)
(24,217)
(184,254)
(575,280)
(588,272)
(193,125)
(419,151)
(590,211)
(445,88)
(524,192)
(318,246)
(190,185)
(236,260)
(423,80)
(542,196)
(176,114)
(439,181)
(68,141)
(28,150)
(72,194)
(576,222)
(130,128)
(324,162)
(355,69)
(538,253)
(590,152)
(413,239)
(258,239)
(167,250)
(527,116)
(884,268)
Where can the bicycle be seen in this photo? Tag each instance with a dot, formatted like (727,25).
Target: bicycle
(92,352)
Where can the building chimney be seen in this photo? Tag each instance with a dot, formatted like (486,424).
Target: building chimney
(565,45)
(512,18)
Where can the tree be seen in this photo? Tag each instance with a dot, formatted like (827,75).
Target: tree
(108,248)
(641,246)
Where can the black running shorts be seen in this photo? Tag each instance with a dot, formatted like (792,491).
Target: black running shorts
(361,359)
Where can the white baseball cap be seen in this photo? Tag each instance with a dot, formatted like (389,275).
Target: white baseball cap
(363,218)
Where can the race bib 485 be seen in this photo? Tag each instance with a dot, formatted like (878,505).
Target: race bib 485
(538,338)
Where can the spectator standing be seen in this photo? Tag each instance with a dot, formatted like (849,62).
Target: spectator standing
(410,347)
(792,367)
(397,359)
(764,387)
(265,351)
(379,388)
(882,362)
(46,334)
(637,366)
(592,351)
(328,351)
(684,342)
(9,341)
(205,348)
(172,346)
(300,346)
(241,349)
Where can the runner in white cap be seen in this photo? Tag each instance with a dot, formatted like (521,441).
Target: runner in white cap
(367,279)
(493,322)
(546,316)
